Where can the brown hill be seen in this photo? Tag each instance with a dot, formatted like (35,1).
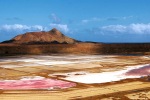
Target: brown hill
(52,36)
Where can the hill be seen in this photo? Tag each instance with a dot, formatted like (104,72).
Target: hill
(54,41)
(53,36)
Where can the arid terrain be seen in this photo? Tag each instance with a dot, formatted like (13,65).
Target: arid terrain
(51,66)
(74,77)
(55,42)
(74,50)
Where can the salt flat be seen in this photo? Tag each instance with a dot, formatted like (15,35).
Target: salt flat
(86,72)
(104,77)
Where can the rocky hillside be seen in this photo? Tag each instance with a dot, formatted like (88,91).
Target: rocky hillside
(52,36)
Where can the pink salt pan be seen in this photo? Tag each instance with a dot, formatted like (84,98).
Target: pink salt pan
(142,71)
(34,84)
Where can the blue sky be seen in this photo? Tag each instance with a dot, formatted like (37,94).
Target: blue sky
(86,20)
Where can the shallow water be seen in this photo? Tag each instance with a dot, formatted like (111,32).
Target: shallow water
(142,71)
(35,82)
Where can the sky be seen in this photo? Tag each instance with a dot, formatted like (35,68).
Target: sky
(86,20)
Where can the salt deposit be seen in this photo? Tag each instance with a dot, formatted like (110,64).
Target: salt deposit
(41,60)
(104,77)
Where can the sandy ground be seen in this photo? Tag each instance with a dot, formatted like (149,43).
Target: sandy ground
(62,66)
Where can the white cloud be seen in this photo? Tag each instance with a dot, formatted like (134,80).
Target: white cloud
(20,27)
(61,27)
(85,21)
(118,18)
(55,18)
(127,17)
(140,28)
(14,27)
(97,19)
(94,19)
(114,28)
(38,27)
(132,28)
(25,28)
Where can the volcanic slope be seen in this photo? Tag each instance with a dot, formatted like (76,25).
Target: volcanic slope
(52,36)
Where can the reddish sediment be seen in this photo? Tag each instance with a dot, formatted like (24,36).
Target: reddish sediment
(142,71)
(35,84)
